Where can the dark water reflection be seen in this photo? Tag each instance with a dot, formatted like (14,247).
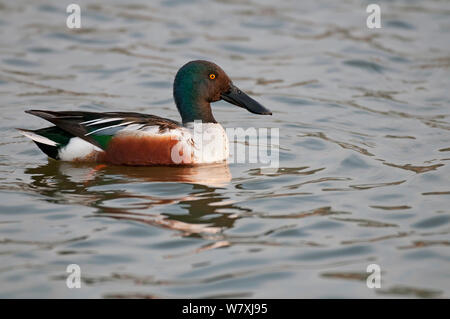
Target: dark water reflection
(364,152)
(112,195)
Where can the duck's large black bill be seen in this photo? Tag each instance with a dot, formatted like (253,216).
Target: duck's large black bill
(239,98)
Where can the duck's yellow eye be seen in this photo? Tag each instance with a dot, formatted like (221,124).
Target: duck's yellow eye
(212,76)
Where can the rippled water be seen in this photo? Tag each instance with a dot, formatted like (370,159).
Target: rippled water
(364,152)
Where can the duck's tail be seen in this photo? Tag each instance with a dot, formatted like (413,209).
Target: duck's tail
(49,139)
(36,137)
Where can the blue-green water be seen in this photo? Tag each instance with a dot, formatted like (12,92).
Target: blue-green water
(364,152)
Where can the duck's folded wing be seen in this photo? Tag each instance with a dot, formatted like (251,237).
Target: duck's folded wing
(99,128)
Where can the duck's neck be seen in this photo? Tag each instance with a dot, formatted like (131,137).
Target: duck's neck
(195,110)
(190,104)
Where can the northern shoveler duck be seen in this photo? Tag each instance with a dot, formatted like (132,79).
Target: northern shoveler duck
(124,138)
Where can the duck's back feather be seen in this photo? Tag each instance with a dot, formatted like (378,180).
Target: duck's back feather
(94,127)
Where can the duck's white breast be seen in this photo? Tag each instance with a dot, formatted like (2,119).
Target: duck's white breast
(210,142)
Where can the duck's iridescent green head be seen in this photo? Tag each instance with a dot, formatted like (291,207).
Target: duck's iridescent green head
(199,83)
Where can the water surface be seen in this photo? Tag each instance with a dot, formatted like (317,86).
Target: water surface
(364,152)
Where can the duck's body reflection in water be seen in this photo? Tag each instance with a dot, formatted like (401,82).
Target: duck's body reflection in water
(213,175)
(82,184)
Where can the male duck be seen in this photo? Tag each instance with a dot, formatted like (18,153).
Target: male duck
(125,138)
